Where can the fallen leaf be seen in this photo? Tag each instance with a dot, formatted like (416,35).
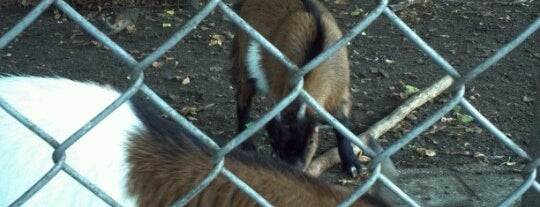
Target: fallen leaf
(158,64)
(56,14)
(216,39)
(509,163)
(229,35)
(170,12)
(506,18)
(96,43)
(389,61)
(479,155)
(340,2)
(527,99)
(186,81)
(131,29)
(188,110)
(426,152)
(464,118)
(356,12)
(411,89)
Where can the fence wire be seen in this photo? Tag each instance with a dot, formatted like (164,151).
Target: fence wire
(380,11)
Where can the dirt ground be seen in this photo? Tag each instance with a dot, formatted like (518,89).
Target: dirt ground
(382,62)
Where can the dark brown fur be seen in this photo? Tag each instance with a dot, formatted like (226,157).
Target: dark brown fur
(294,31)
(165,164)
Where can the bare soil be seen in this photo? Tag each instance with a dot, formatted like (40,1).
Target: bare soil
(382,62)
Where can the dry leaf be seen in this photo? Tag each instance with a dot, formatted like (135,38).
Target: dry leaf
(170,12)
(157,64)
(509,163)
(229,35)
(56,15)
(426,152)
(340,2)
(527,99)
(479,155)
(96,43)
(131,29)
(216,39)
(389,61)
(186,81)
(188,110)
(357,12)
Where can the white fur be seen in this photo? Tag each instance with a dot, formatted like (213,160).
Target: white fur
(254,67)
(60,107)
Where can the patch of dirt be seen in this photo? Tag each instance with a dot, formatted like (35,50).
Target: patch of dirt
(382,62)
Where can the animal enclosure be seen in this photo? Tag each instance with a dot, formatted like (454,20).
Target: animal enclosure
(132,62)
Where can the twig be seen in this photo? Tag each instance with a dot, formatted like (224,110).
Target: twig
(331,157)
(404,4)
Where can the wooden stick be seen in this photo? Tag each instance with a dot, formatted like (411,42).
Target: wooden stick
(331,157)
(404,4)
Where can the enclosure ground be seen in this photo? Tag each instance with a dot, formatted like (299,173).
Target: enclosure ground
(194,78)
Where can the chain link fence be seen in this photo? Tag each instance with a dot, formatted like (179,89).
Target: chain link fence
(138,68)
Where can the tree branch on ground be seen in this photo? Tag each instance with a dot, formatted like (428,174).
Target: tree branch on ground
(331,157)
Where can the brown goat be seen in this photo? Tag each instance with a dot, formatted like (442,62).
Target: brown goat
(133,155)
(165,164)
(300,30)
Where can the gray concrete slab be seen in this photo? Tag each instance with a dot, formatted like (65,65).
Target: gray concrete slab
(472,185)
